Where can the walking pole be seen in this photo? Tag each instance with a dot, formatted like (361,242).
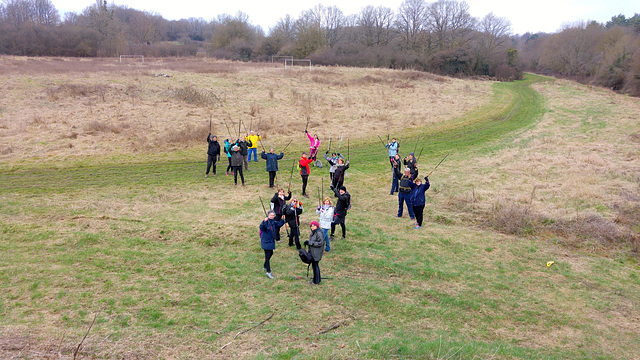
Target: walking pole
(291,177)
(387,132)
(263,208)
(383,144)
(340,145)
(210,116)
(286,146)
(434,169)
(329,147)
(319,200)
(307,127)
(259,122)
(228,129)
(245,127)
(347,149)
(250,124)
(418,159)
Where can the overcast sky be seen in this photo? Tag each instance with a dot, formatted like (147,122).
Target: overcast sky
(529,16)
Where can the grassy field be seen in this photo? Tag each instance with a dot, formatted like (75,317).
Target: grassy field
(105,216)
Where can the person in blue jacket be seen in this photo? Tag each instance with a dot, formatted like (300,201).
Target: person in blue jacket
(393,149)
(268,228)
(418,188)
(227,150)
(272,164)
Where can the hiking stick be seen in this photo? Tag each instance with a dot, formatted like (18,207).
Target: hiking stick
(259,122)
(418,159)
(210,116)
(250,124)
(415,147)
(434,169)
(347,149)
(239,124)
(387,132)
(383,144)
(340,145)
(263,208)
(286,146)
(306,128)
(260,141)
(329,147)
(245,127)
(319,200)
(291,177)
(322,189)
(228,129)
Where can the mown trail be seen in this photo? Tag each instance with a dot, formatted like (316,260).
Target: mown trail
(515,105)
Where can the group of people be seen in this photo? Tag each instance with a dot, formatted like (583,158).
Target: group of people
(238,154)
(288,215)
(411,190)
(286,210)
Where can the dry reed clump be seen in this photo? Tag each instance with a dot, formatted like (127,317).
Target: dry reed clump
(101,126)
(197,97)
(76,91)
(189,134)
(519,219)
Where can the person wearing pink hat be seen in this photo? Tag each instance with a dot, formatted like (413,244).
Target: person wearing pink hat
(316,248)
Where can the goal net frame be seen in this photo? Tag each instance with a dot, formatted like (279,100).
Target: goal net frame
(132,56)
(293,61)
(281,57)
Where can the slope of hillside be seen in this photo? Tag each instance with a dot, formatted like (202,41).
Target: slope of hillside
(119,225)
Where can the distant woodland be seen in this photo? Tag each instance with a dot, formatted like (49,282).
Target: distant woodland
(440,37)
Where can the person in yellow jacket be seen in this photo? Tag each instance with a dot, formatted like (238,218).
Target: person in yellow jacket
(254,146)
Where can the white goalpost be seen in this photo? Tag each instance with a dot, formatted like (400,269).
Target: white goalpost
(132,56)
(292,62)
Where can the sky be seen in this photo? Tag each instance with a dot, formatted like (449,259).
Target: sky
(537,16)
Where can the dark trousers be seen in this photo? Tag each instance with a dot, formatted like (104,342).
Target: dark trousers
(305,178)
(316,272)
(267,259)
(402,197)
(211,162)
(294,234)
(418,210)
(272,178)
(229,166)
(338,220)
(246,164)
(236,170)
(394,184)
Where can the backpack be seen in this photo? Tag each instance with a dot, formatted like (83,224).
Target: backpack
(305,256)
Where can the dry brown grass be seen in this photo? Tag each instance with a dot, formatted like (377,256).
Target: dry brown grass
(120,108)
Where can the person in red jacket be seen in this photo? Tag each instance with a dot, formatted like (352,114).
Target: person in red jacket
(304,172)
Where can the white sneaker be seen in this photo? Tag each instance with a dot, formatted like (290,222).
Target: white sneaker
(270,275)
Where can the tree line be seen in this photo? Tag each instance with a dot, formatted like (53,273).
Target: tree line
(599,54)
(440,37)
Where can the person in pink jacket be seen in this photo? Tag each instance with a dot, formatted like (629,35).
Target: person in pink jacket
(315,144)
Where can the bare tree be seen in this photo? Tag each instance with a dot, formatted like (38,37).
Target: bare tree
(451,23)
(410,22)
(376,26)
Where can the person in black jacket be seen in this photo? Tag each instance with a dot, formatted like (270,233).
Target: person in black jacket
(213,154)
(279,203)
(244,150)
(412,164)
(292,215)
(272,164)
(340,213)
(338,174)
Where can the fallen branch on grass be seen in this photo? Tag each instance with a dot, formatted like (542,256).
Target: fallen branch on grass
(332,327)
(75,353)
(249,329)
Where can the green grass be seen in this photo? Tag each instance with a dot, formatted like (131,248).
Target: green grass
(167,257)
